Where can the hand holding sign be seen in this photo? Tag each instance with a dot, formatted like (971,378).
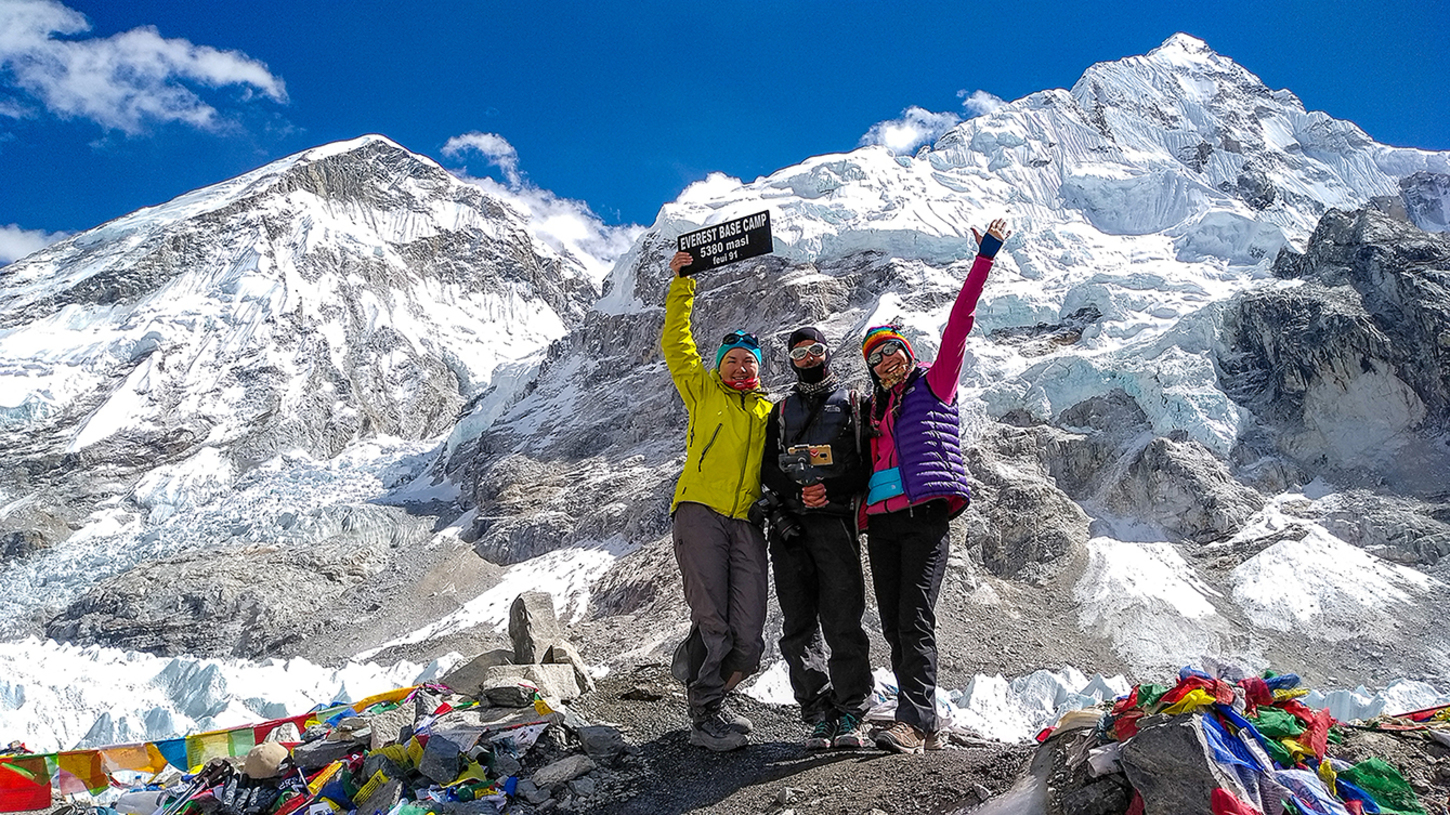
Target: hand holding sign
(724,243)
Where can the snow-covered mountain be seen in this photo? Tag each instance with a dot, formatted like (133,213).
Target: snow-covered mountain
(246,337)
(1137,502)
(1208,407)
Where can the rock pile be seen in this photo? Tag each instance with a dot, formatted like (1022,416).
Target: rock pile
(1242,747)
(494,731)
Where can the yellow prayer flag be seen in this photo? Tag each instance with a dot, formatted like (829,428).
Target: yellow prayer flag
(397,695)
(138,757)
(1195,699)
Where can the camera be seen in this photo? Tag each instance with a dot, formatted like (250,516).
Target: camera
(770,509)
(798,464)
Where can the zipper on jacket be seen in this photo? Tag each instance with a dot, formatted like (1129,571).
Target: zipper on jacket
(699,465)
(749,445)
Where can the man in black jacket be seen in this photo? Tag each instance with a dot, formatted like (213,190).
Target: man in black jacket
(814,471)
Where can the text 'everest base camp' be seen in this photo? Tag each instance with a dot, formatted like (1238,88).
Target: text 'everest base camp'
(338,486)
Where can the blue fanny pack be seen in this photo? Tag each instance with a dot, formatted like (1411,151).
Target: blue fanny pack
(884,484)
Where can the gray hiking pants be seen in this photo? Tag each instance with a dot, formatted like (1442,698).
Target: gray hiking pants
(724,567)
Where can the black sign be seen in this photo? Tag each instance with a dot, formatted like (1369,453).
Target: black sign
(725,243)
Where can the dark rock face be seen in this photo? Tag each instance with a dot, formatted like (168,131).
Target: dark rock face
(1427,200)
(1351,368)
(1185,488)
(1028,523)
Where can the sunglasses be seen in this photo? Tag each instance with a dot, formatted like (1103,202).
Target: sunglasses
(888,347)
(741,338)
(815,349)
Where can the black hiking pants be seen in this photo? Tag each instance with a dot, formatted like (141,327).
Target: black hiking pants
(908,551)
(822,594)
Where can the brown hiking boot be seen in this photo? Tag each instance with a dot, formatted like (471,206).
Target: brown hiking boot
(901,738)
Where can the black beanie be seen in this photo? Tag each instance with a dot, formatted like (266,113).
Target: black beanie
(810,376)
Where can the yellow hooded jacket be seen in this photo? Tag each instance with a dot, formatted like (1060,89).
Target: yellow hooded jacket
(727,427)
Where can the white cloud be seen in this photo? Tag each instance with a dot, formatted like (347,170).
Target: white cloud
(712,187)
(16,243)
(122,82)
(563,224)
(979,102)
(917,126)
(491,146)
(566,225)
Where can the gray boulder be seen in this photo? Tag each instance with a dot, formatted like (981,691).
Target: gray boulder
(388,727)
(468,678)
(509,685)
(562,653)
(443,755)
(319,753)
(602,743)
(1171,765)
(533,626)
(563,770)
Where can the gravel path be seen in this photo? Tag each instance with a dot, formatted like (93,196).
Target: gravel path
(774,774)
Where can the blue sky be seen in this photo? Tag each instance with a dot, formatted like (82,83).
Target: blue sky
(108,106)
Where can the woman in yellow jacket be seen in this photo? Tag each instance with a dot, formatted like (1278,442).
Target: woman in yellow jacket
(721,554)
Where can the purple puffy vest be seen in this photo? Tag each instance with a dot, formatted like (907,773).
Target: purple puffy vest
(929,447)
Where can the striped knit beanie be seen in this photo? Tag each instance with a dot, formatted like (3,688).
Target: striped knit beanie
(884,333)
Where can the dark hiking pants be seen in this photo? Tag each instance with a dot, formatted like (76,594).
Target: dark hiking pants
(908,551)
(822,595)
(723,565)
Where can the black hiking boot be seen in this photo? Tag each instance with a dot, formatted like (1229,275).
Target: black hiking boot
(823,735)
(713,732)
(737,722)
(851,733)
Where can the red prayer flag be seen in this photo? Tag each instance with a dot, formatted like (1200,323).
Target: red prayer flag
(24,783)
(1224,802)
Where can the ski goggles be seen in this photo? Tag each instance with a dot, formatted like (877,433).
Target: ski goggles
(741,338)
(815,349)
(889,347)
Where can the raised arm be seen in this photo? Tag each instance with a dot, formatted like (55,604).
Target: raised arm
(947,369)
(676,340)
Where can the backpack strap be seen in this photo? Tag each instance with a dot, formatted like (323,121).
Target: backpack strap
(856,417)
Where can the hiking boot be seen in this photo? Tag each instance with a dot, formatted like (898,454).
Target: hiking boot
(823,735)
(901,738)
(851,733)
(737,722)
(713,732)
(937,740)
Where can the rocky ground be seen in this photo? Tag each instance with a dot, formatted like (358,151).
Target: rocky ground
(774,774)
